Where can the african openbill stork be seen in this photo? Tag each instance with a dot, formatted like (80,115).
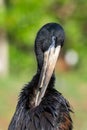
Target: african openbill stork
(40,105)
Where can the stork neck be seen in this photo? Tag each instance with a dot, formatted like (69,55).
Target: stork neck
(42,88)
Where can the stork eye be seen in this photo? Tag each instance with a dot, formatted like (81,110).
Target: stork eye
(45,45)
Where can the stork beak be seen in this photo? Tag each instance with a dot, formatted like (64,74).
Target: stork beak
(50,59)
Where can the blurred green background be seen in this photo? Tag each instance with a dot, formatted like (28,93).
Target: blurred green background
(19,23)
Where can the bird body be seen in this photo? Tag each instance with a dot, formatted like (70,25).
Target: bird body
(40,105)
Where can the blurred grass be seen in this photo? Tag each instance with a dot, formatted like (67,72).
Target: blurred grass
(74,88)
(71,84)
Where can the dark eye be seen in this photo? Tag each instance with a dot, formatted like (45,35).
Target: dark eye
(56,42)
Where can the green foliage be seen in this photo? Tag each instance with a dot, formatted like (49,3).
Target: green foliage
(22,19)
(21,62)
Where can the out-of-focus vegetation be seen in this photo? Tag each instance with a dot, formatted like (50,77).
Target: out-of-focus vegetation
(20,20)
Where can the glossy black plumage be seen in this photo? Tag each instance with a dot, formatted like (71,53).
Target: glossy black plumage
(53,112)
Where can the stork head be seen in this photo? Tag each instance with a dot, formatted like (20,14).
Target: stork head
(49,36)
(48,43)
